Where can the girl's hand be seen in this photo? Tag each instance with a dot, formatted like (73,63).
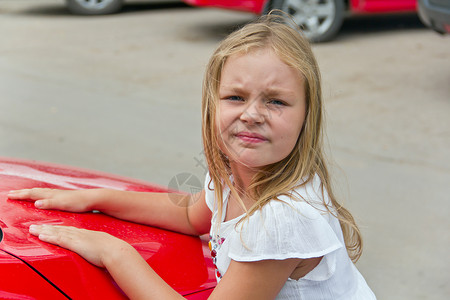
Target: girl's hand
(96,247)
(68,200)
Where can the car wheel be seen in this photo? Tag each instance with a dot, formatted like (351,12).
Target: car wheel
(94,7)
(320,20)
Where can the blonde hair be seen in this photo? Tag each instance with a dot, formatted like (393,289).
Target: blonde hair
(306,159)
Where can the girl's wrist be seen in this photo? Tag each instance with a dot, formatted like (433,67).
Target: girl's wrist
(116,256)
(94,198)
(102,199)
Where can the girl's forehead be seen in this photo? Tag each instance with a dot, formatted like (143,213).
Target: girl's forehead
(264,53)
(250,51)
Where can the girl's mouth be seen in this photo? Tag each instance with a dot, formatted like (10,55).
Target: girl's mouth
(251,138)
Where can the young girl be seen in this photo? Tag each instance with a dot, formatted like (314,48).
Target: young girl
(276,228)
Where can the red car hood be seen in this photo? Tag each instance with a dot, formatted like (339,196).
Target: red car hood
(182,261)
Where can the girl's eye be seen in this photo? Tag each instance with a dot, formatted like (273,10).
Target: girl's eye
(276,102)
(234,98)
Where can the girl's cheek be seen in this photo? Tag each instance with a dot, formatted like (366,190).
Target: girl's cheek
(221,136)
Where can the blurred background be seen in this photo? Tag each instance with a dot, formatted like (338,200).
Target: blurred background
(121,93)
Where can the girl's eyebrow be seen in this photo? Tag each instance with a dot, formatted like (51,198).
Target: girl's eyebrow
(276,92)
(232,88)
(270,91)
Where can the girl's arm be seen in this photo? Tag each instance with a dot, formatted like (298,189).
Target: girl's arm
(243,280)
(187,214)
(129,270)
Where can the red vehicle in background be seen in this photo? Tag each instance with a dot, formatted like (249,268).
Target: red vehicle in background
(31,269)
(319,19)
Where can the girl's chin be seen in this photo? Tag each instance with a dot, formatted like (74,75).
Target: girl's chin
(250,158)
(249,163)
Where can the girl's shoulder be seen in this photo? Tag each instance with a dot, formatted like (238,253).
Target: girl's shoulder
(285,228)
(297,224)
(308,197)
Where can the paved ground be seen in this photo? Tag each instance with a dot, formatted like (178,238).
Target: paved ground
(122,94)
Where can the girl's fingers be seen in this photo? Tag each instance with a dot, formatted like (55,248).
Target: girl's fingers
(58,235)
(66,200)
(88,244)
(44,204)
(42,229)
(19,194)
(43,232)
(34,229)
(40,196)
(29,194)
(25,195)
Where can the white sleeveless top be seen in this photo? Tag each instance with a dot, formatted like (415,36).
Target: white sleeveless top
(290,229)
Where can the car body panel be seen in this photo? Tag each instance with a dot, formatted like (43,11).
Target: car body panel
(182,261)
(20,281)
(254,6)
(382,6)
(356,6)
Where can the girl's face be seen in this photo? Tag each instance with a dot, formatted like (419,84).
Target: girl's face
(261,110)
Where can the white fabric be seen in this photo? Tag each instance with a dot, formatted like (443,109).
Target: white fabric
(290,229)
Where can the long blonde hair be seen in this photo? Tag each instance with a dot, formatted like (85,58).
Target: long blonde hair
(306,159)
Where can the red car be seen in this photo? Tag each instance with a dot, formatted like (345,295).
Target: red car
(31,269)
(319,19)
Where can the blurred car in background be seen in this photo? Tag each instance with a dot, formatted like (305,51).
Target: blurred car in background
(435,14)
(32,269)
(319,19)
(94,7)
(104,7)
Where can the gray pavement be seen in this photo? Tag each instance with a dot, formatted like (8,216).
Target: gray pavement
(121,94)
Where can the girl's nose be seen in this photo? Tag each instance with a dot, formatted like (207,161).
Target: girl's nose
(254,113)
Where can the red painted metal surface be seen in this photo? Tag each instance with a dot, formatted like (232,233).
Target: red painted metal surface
(382,6)
(356,6)
(182,261)
(19,281)
(254,6)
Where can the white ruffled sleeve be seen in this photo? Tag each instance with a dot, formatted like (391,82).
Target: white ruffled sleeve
(282,230)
